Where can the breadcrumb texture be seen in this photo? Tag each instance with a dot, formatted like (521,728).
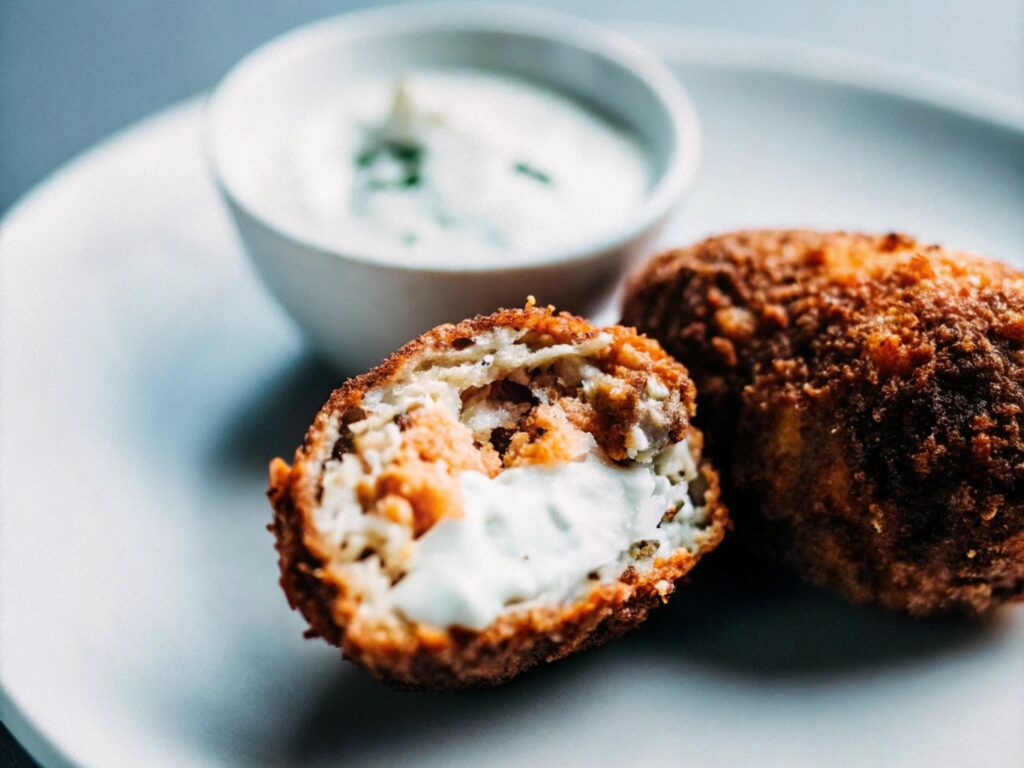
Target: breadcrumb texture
(865,398)
(415,656)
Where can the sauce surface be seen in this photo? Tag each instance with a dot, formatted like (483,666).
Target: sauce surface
(446,164)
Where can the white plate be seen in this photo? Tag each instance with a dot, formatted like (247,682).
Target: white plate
(147,379)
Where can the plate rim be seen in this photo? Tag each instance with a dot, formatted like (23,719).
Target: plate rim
(830,65)
(676,44)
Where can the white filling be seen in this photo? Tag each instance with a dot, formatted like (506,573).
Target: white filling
(532,535)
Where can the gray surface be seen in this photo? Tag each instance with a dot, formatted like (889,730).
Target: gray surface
(73,72)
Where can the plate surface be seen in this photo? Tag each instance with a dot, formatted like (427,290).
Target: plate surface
(147,379)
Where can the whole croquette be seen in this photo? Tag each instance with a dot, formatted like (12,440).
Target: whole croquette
(498,493)
(864,396)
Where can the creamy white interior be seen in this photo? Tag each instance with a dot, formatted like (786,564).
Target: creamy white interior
(502,166)
(531,532)
(529,536)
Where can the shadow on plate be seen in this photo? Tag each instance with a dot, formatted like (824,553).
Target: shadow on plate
(359,721)
(274,420)
(756,620)
(738,617)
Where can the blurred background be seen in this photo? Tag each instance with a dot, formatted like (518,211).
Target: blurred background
(73,72)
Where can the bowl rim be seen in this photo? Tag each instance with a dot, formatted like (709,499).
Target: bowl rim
(676,177)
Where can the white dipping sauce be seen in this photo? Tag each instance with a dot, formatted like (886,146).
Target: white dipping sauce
(531,535)
(460,163)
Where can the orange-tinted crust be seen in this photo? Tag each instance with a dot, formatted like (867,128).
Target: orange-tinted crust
(864,397)
(415,656)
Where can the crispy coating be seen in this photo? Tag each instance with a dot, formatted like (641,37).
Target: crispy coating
(864,396)
(414,656)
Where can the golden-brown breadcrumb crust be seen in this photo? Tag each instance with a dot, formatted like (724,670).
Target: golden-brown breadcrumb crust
(416,658)
(864,398)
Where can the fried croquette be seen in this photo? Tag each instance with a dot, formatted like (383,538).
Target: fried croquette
(497,494)
(864,398)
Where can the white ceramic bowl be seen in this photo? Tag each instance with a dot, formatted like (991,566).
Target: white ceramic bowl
(359,307)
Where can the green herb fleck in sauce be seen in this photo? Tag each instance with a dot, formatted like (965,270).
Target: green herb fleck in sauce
(528,170)
(388,164)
